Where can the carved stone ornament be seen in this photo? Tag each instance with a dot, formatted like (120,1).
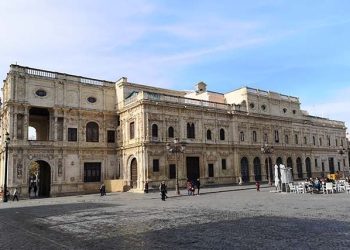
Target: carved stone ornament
(19,170)
(59,168)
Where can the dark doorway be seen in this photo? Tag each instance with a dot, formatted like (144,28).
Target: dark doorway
(44,184)
(245,169)
(268,165)
(257,169)
(133,173)
(192,164)
(308,167)
(331,165)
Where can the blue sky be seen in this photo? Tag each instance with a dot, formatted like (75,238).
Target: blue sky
(298,48)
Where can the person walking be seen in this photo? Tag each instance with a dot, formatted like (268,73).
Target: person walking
(29,190)
(163,191)
(198,184)
(15,195)
(146,187)
(103,189)
(257,184)
(35,189)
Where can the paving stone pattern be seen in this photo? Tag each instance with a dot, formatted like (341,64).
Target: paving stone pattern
(219,218)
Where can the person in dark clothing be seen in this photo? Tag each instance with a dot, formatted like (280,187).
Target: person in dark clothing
(146,187)
(15,195)
(163,191)
(29,190)
(103,189)
(198,184)
(35,189)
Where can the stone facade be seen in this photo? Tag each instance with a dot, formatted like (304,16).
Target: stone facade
(89,130)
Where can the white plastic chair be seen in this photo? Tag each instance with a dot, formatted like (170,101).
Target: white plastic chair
(329,187)
(347,187)
(292,188)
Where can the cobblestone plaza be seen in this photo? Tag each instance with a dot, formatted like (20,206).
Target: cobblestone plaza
(220,218)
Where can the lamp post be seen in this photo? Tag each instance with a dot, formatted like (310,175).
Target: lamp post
(267,150)
(176,148)
(7,141)
(342,151)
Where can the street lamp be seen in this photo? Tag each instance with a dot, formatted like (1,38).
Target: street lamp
(7,141)
(176,148)
(342,151)
(267,150)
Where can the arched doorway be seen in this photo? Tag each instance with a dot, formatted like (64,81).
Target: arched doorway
(257,169)
(299,168)
(133,173)
(244,169)
(268,164)
(308,167)
(40,178)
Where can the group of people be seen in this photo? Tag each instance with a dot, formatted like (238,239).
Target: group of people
(7,194)
(33,187)
(192,185)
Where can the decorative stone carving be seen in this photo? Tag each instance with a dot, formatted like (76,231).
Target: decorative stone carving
(19,170)
(59,167)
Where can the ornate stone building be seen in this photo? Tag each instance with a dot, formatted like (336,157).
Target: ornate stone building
(80,131)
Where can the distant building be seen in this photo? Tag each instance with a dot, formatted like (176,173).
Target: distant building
(86,131)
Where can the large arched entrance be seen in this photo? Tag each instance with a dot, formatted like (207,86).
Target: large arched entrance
(299,168)
(257,169)
(133,173)
(40,179)
(308,167)
(244,169)
(268,166)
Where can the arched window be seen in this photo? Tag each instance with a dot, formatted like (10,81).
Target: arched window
(308,167)
(208,134)
(336,142)
(305,140)
(314,140)
(222,134)
(154,130)
(299,168)
(241,136)
(320,141)
(257,169)
(132,130)
(244,169)
(296,139)
(286,139)
(254,136)
(92,133)
(277,138)
(171,132)
(329,141)
(190,130)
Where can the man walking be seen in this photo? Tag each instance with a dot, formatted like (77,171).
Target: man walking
(15,195)
(198,184)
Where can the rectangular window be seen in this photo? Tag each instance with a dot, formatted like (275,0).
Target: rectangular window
(286,139)
(132,130)
(172,171)
(277,138)
(211,170)
(118,120)
(92,171)
(110,136)
(72,134)
(322,166)
(60,128)
(223,164)
(316,165)
(155,165)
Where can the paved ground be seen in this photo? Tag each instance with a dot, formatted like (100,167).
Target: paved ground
(220,218)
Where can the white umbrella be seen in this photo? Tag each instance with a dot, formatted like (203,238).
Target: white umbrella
(283,173)
(289,175)
(277,180)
